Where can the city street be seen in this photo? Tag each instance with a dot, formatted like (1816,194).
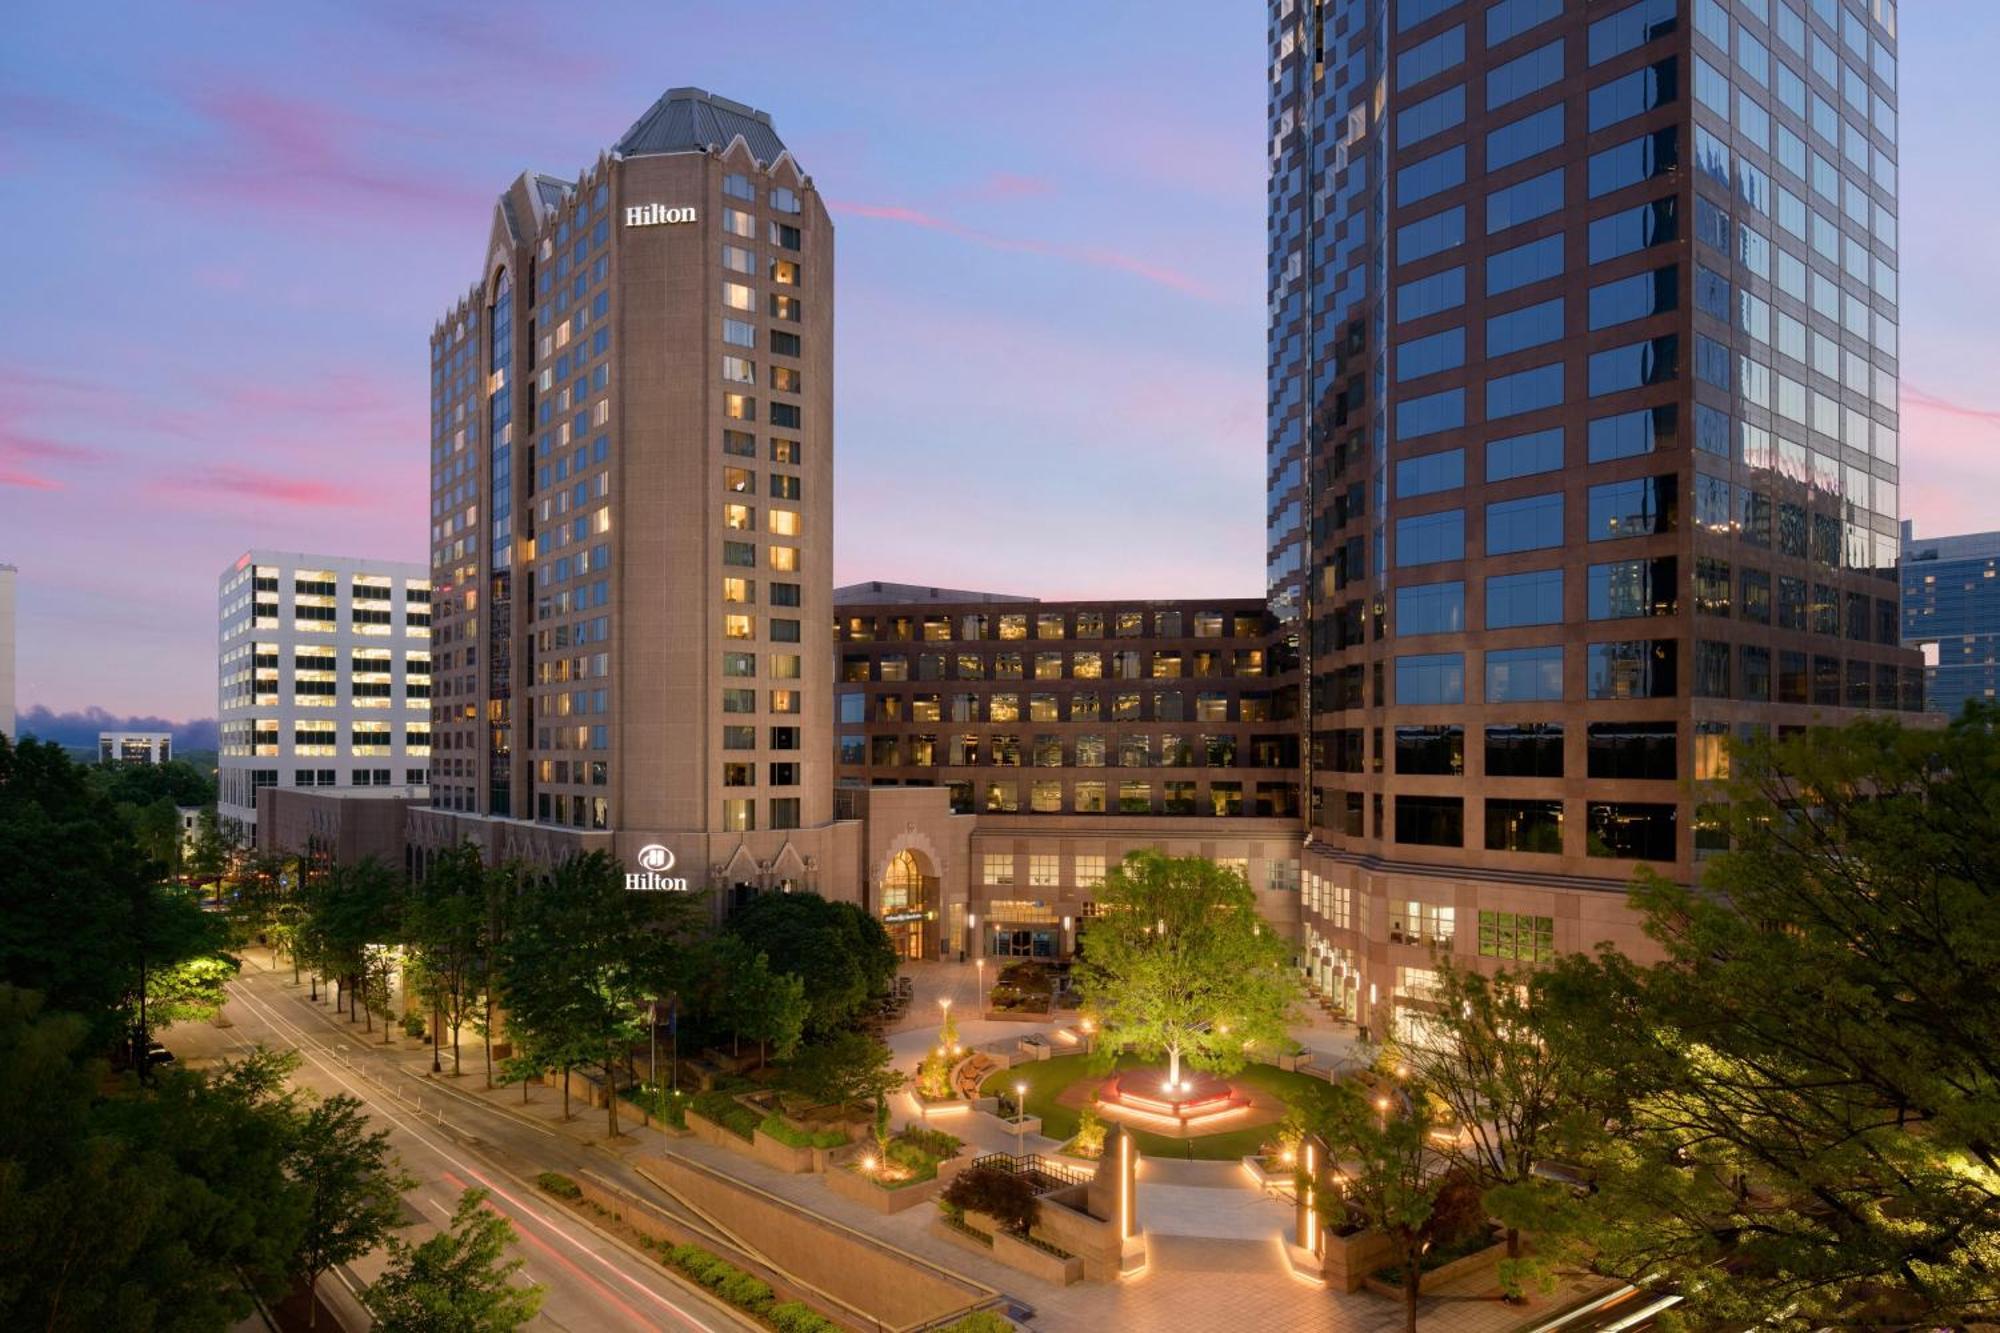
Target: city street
(451,1143)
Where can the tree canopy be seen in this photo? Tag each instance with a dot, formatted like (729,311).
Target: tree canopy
(1177,964)
(841,953)
(1807,1089)
(458,1281)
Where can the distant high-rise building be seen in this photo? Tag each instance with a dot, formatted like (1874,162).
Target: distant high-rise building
(7,573)
(632,513)
(134,747)
(1951,614)
(1583,442)
(325,677)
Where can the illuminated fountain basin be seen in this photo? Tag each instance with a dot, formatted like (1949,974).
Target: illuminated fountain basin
(1196,1102)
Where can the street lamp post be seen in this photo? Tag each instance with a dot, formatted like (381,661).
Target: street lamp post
(1020,1115)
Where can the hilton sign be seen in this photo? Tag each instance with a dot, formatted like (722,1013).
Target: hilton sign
(655,862)
(657,215)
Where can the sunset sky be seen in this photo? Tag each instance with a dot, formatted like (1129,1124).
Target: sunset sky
(234,225)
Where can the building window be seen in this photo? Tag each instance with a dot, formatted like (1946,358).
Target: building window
(1433,751)
(1518,937)
(1525,750)
(1430,821)
(1633,750)
(1630,831)
(1524,826)
(739,816)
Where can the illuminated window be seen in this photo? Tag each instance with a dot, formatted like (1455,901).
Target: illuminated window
(739,816)
(1044,870)
(784,522)
(739,626)
(738,297)
(1089,871)
(998,867)
(743,518)
(739,407)
(785,559)
(738,590)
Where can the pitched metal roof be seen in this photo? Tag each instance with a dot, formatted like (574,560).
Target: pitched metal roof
(692,120)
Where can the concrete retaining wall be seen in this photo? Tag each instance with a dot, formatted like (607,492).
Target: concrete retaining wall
(896,1288)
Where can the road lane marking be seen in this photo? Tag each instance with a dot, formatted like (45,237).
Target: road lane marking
(560,1231)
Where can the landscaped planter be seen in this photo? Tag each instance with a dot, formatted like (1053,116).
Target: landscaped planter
(1351,1258)
(865,1190)
(1444,1273)
(1019,1128)
(720,1136)
(801,1160)
(1056,1269)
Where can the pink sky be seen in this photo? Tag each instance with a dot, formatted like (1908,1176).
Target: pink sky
(1051,286)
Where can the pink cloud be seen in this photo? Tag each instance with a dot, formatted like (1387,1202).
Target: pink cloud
(1918,399)
(26,481)
(231,483)
(1007,185)
(1096,256)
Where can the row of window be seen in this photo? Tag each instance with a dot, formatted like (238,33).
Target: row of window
(1618,830)
(1174,750)
(1637,507)
(1056,625)
(1078,665)
(1650,669)
(851,707)
(1265,800)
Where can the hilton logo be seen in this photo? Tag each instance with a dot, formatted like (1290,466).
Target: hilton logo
(655,861)
(657,215)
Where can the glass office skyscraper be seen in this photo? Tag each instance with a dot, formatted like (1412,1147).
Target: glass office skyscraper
(1951,614)
(1582,442)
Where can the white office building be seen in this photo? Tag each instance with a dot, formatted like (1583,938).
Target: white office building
(324,678)
(134,747)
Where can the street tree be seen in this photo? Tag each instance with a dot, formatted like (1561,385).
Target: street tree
(1807,1088)
(458,1281)
(1392,1178)
(351,910)
(1507,1090)
(1180,967)
(584,960)
(351,1185)
(445,925)
(208,858)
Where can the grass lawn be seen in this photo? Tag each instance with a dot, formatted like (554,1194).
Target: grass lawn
(1047,1078)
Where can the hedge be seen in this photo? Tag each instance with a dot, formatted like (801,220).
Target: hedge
(559,1185)
(784,1133)
(744,1290)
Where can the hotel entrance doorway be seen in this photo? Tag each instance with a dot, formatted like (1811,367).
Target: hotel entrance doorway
(908,905)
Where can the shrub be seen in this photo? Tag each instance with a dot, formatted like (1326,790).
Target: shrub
(1005,1197)
(931,1142)
(413,1025)
(980,1321)
(793,1137)
(560,1185)
(798,1317)
(1089,1140)
(725,1110)
(661,1105)
(747,1293)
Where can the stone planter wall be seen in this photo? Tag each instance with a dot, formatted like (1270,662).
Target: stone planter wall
(862,1190)
(1055,1270)
(1350,1259)
(1450,1272)
(783,1156)
(716,1136)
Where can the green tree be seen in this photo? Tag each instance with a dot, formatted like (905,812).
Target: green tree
(85,915)
(583,960)
(351,1184)
(177,782)
(1007,1198)
(128,1209)
(846,1067)
(841,953)
(1807,1088)
(458,1281)
(1507,1090)
(1393,1179)
(349,912)
(1180,966)
(768,1007)
(446,929)
(208,858)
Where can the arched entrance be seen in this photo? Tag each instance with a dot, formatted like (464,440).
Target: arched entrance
(907,903)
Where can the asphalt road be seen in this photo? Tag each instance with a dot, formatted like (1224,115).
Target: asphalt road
(449,1143)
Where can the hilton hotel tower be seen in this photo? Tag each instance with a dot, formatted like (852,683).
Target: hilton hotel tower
(632,515)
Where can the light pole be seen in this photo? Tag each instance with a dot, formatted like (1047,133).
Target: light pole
(1020,1115)
(979,984)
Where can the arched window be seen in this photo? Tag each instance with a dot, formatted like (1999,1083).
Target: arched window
(902,883)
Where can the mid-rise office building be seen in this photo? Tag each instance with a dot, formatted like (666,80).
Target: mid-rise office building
(632,513)
(1583,443)
(7,573)
(134,747)
(1951,614)
(324,678)
(1062,735)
